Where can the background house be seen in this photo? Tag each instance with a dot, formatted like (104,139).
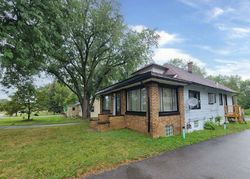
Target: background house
(74,110)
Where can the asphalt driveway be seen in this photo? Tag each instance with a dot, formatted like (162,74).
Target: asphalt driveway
(226,157)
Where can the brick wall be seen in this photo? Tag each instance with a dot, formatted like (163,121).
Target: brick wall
(123,102)
(117,122)
(153,92)
(157,122)
(135,122)
(140,123)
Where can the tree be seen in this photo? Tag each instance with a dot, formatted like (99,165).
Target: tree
(53,97)
(236,83)
(84,44)
(13,106)
(26,97)
(183,64)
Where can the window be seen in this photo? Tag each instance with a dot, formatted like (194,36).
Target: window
(136,100)
(92,109)
(211,98)
(169,130)
(195,94)
(106,103)
(196,124)
(168,100)
(73,108)
(221,99)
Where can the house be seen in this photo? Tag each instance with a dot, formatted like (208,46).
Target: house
(161,101)
(75,110)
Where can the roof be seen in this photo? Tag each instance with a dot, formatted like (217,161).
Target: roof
(140,78)
(193,78)
(168,73)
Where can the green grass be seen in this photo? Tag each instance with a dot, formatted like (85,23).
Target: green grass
(11,121)
(66,151)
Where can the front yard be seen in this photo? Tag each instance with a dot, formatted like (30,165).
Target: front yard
(52,119)
(68,151)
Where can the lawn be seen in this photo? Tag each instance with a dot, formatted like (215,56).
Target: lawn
(68,151)
(54,119)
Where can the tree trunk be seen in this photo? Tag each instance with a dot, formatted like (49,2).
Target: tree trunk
(85,105)
(29,111)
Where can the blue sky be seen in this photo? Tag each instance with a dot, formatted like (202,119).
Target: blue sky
(213,33)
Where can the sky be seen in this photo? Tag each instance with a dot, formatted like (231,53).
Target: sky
(215,34)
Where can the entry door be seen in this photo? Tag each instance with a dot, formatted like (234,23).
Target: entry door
(118,103)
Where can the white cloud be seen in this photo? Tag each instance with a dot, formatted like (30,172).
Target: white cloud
(164,37)
(234,32)
(227,67)
(162,55)
(215,51)
(217,11)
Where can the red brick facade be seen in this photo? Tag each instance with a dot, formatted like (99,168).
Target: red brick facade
(141,123)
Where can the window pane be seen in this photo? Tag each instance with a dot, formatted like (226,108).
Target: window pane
(106,103)
(174,100)
(143,99)
(195,94)
(169,130)
(168,100)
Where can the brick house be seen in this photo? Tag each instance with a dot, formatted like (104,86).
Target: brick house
(154,101)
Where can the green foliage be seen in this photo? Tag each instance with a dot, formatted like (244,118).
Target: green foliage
(53,97)
(209,125)
(247,112)
(86,150)
(218,119)
(182,63)
(25,96)
(84,44)
(236,83)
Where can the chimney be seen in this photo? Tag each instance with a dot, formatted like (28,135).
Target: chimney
(190,67)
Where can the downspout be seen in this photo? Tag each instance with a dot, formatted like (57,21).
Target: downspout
(149,120)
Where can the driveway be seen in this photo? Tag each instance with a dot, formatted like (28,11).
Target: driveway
(226,157)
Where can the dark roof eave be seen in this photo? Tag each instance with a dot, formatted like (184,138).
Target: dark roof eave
(137,78)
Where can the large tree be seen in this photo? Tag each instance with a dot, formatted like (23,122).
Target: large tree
(84,44)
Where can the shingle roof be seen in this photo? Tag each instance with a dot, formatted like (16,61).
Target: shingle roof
(193,78)
(171,73)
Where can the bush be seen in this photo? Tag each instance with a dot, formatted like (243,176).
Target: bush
(247,112)
(218,119)
(209,125)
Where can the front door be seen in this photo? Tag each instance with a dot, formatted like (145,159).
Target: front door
(118,103)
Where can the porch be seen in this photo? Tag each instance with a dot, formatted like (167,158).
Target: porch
(106,122)
(234,113)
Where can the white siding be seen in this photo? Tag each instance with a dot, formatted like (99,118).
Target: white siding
(207,111)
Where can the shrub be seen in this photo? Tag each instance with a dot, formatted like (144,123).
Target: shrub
(218,119)
(247,112)
(209,125)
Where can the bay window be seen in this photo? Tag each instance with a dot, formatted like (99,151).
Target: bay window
(168,100)
(137,100)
